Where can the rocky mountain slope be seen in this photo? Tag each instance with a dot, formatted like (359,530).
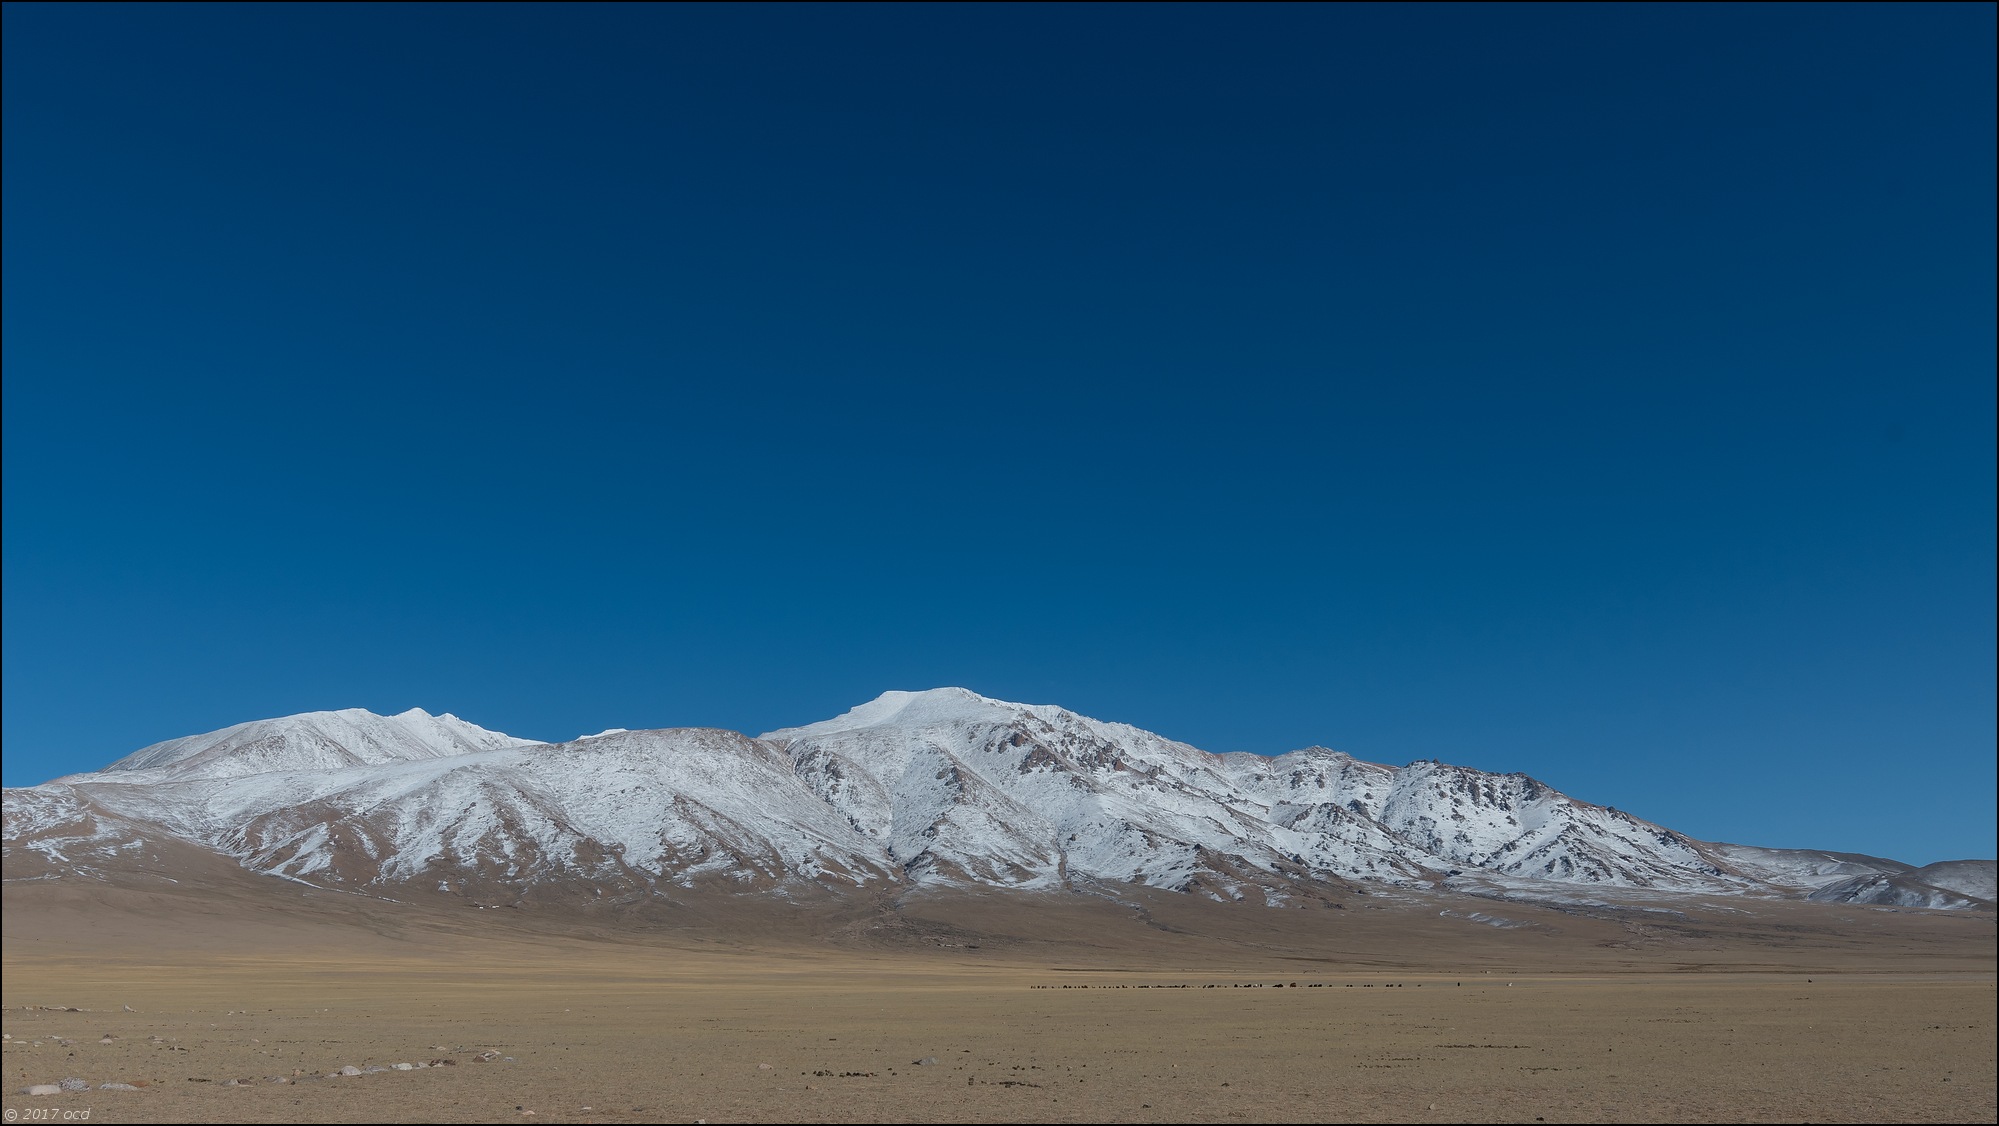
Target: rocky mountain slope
(911,790)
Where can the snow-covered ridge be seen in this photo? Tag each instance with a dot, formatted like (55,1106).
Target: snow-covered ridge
(937,787)
(310,741)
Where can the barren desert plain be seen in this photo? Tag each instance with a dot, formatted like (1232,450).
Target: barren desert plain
(989,1007)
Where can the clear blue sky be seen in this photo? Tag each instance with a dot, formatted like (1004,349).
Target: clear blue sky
(1599,391)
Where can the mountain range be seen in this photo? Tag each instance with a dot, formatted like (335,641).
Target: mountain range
(912,790)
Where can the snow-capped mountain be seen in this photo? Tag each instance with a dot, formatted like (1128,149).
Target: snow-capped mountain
(314,741)
(955,786)
(934,788)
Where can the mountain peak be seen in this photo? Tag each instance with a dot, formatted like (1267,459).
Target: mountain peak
(912,709)
(328,740)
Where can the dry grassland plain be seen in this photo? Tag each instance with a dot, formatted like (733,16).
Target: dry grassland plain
(1029,1010)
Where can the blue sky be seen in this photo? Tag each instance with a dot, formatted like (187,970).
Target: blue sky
(1602,392)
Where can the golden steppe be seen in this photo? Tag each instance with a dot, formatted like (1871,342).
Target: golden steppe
(990,1008)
